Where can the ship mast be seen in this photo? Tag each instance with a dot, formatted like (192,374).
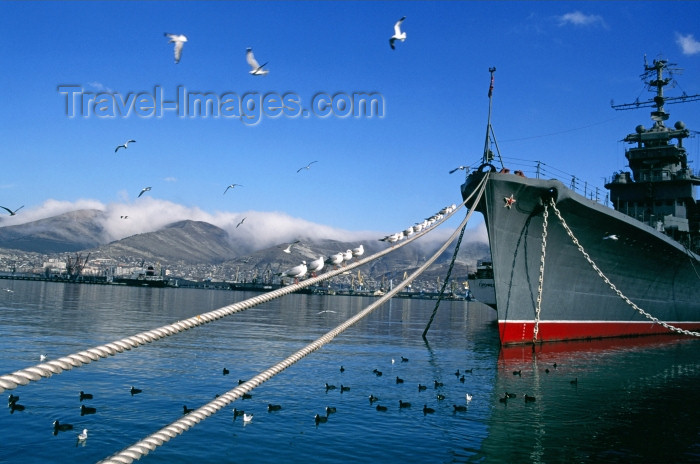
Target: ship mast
(488,154)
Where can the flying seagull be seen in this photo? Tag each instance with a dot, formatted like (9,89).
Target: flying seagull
(12,213)
(240,222)
(124,145)
(398,35)
(256,69)
(179,40)
(232,186)
(288,250)
(143,190)
(307,166)
(461,168)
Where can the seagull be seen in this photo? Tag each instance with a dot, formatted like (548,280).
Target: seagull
(307,166)
(335,259)
(461,168)
(42,357)
(392,238)
(359,251)
(82,436)
(124,145)
(12,213)
(242,220)
(247,418)
(256,69)
(296,271)
(468,397)
(288,250)
(179,40)
(398,35)
(347,256)
(610,237)
(232,186)
(143,190)
(315,266)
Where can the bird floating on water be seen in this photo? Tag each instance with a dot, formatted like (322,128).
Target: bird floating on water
(427,410)
(85,396)
(87,410)
(82,436)
(459,408)
(144,190)
(320,419)
(232,186)
(274,407)
(308,166)
(256,69)
(135,391)
(398,35)
(58,427)
(124,145)
(43,357)
(468,397)
(186,410)
(247,418)
(179,40)
(12,213)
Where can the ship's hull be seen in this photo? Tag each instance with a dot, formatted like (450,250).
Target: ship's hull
(651,270)
(141,282)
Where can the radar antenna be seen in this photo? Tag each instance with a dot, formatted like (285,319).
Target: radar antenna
(654,80)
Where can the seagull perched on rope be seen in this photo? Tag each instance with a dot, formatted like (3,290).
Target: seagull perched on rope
(179,40)
(335,259)
(124,145)
(315,266)
(308,166)
(460,168)
(144,190)
(398,35)
(232,186)
(359,251)
(295,272)
(12,213)
(256,69)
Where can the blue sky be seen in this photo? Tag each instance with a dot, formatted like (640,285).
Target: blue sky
(559,64)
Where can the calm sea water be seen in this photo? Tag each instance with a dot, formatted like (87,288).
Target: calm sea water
(634,400)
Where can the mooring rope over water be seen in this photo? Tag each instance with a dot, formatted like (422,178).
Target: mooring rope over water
(57,366)
(481,187)
(150,443)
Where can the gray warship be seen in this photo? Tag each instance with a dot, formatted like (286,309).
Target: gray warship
(567,267)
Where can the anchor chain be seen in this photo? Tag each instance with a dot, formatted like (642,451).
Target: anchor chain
(538,309)
(612,286)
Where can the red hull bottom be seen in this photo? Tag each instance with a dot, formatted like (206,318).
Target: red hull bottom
(518,332)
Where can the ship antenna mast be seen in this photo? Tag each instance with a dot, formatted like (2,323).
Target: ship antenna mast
(488,154)
(653,77)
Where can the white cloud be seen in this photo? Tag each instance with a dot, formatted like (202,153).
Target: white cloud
(578,18)
(688,44)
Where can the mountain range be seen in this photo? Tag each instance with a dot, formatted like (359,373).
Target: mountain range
(192,243)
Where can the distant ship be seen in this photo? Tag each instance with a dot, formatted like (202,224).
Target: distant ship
(143,278)
(567,267)
(481,283)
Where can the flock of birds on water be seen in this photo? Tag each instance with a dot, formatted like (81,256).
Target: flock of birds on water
(315,266)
